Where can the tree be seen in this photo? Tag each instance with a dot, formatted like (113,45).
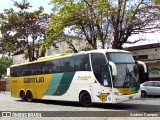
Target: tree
(23,30)
(128,17)
(104,21)
(4,64)
(85,21)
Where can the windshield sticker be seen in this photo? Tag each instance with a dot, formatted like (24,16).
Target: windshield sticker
(109,99)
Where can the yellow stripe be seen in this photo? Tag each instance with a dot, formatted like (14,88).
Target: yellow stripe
(44,59)
(126,90)
(37,88)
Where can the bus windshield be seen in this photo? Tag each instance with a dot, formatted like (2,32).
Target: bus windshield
(127,72)
(120,57)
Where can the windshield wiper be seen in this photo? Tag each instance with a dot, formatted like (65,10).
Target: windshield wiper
(128,79)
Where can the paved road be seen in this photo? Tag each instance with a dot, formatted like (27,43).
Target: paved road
(8,103)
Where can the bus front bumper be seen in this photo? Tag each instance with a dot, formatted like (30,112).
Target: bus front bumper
(122,98)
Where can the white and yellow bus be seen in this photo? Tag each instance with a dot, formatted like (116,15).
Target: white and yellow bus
(97,76)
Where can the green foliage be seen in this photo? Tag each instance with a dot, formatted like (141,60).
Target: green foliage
(23,30)
(105,21)
(4,64)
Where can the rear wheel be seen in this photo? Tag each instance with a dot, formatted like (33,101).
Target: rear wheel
(22,95)
(143,94)
(85,99)
(29,96)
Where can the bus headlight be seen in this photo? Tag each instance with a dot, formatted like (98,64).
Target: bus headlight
(118,93)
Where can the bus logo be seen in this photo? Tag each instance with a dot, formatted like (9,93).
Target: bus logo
(34,80)
(83,77)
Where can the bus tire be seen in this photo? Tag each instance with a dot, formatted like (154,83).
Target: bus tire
(85,99)
(22,95)
(29,96)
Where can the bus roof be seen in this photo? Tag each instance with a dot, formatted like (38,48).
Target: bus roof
(63,55)
(107,50)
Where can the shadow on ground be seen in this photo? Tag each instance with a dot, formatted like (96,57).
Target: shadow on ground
(118,106)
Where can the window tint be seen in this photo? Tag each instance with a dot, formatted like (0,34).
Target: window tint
(77,63)
(55,66)
(47,67)
(149,84)
(14,72)
(71,64)
(65,64)
(26,70)
(82,63)
(106,80)
(120,57)
(39,68)
(98,59)
(156,84)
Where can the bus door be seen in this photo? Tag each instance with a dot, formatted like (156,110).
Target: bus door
(106,93)
(101,87)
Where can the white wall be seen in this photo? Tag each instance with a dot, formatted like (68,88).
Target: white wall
(153,53)
(63,47)
(153,61)
(19,59)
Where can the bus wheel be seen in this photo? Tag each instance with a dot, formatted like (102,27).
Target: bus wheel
(85,99)
(29,96)
(22,95)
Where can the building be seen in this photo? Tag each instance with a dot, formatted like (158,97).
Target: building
(20,58)
(150,54)
(62,46)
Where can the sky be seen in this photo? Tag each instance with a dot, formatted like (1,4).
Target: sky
(6,4)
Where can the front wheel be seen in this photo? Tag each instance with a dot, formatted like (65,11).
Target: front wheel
(85,99)
(29,96)
(143,94)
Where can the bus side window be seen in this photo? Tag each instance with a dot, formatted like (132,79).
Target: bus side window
(14,72)
(71,60)
(55,66)
(106,80)
(98,59)
(76,64)
(39,68)
(87,63)
(65,64)
(82,63)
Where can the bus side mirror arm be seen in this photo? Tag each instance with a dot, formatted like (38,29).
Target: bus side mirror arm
(143,64)
(114,68)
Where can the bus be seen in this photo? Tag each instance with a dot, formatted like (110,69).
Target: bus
(96,76)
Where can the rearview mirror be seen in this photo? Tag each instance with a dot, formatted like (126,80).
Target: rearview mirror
(143,64)
(114,68)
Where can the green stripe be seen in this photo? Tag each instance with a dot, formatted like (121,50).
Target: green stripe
(54,83)
(59,83)
(135,89)
(65,83)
